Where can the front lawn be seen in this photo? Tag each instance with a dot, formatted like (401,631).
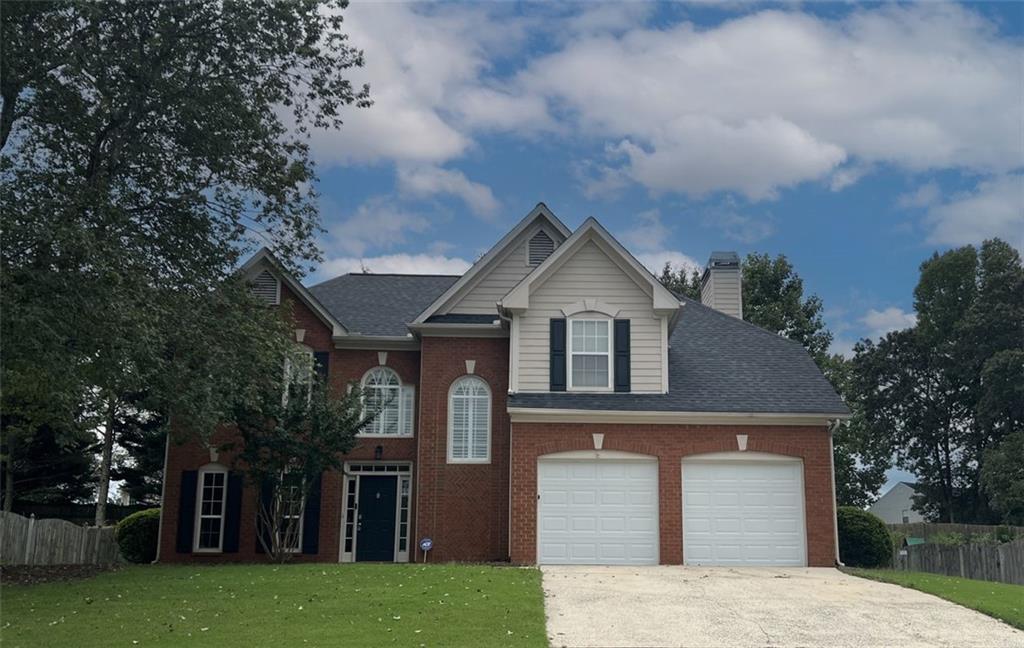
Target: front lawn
(1000,600)
(261,605)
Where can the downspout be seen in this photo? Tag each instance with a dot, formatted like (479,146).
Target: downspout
(832,467)
(508,527)
(163,498)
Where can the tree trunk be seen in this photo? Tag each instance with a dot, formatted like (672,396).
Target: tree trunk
(9,479)
(108,450)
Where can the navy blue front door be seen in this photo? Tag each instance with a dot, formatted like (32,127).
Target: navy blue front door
(375,530)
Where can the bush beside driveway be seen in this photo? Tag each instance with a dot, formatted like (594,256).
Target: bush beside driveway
(291,605)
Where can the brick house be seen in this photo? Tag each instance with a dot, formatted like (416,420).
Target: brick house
(554,404)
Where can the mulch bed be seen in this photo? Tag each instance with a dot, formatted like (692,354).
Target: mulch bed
(36,574)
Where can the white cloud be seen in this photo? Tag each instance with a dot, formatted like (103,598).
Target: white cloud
(377,223)
(843,346)
(395,263)
(648,234)
(880,322)
(994,209)
(740,227)
(924,196)
(847,176)
(774,98)
(655,261)
(431,180)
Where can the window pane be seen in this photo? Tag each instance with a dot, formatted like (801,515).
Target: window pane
(590,371)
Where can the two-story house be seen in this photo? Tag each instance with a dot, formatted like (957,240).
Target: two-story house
(554,404)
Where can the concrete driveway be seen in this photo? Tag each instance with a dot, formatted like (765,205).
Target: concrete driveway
(703,607)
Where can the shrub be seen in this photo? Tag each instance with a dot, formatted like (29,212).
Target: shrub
(864,540)
(949,538)
(137,535)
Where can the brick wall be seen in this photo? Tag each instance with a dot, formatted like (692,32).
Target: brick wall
(670,443)
(346,365)
(463,508)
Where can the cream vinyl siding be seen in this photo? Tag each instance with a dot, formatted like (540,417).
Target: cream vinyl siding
(722,292)
(590,274)
(482,297)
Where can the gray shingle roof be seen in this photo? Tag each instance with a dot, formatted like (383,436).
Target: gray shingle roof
(718,363)
(379,304)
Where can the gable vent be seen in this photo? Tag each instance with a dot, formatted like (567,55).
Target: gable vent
(266,287)
(541,247)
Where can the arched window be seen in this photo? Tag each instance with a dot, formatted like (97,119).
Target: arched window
(391,401)
(469,421)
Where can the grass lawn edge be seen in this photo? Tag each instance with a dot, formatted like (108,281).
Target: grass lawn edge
(939,585)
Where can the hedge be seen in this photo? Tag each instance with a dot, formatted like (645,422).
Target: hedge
(864,540)
(137,535)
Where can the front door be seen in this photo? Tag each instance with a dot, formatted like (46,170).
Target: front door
(375,529)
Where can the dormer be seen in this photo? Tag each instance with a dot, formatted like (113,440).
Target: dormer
(590,318)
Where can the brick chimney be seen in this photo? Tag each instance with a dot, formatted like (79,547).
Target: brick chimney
(720,286)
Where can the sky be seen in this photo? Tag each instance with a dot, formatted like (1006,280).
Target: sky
(856,139)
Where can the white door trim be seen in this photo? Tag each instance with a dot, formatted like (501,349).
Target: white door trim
(403,472)
(590,455)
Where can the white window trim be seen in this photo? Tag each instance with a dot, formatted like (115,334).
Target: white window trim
(209,470)
(401,409)
(303,349)
(451,422)
(570,353)
(302,516)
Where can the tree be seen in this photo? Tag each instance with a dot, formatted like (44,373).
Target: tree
(55,466)
(948,390)
(680,281)
(139,466)
(773,298)
(143,148)
(1002,475)
(286,441)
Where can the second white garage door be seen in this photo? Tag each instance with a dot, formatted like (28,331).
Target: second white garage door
(742,512)
(597,512)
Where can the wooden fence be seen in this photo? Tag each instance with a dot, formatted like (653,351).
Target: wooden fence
(991,562)
(928,529)
(28,541)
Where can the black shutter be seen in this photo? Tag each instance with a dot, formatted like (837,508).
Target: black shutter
(233,513)
(266,503)
(621,354)
(311,520)
(187,510)
(557,373)
(321,363)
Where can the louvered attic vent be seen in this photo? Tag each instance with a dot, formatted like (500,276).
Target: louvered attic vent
(265,286)
(541,247)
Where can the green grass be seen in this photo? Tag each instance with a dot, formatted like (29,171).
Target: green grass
(1000,600)
(292,605)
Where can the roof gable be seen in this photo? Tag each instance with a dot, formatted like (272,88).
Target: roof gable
(540,217)
(264,259)
(591,232)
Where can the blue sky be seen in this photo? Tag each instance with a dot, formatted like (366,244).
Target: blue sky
(855,139)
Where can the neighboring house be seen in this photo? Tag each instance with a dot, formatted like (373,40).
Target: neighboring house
(554,404)
(897,505)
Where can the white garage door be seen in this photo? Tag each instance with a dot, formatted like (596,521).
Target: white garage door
(743,512)
(597,512)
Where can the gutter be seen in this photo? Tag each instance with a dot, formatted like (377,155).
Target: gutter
(832,468)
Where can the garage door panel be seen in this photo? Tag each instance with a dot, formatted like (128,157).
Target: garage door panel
(607,512)
(737,512)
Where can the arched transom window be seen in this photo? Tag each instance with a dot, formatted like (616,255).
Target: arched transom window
(390,401)
(469,421)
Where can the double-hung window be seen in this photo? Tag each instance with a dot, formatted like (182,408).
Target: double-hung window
(469,421)
(590,354)
(210,495)
(389,401)
(298,373)
(290,501)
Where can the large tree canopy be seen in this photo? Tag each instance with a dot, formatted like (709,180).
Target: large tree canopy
(947,391)
(144,146)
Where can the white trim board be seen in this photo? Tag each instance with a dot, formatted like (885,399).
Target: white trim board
(553,415)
